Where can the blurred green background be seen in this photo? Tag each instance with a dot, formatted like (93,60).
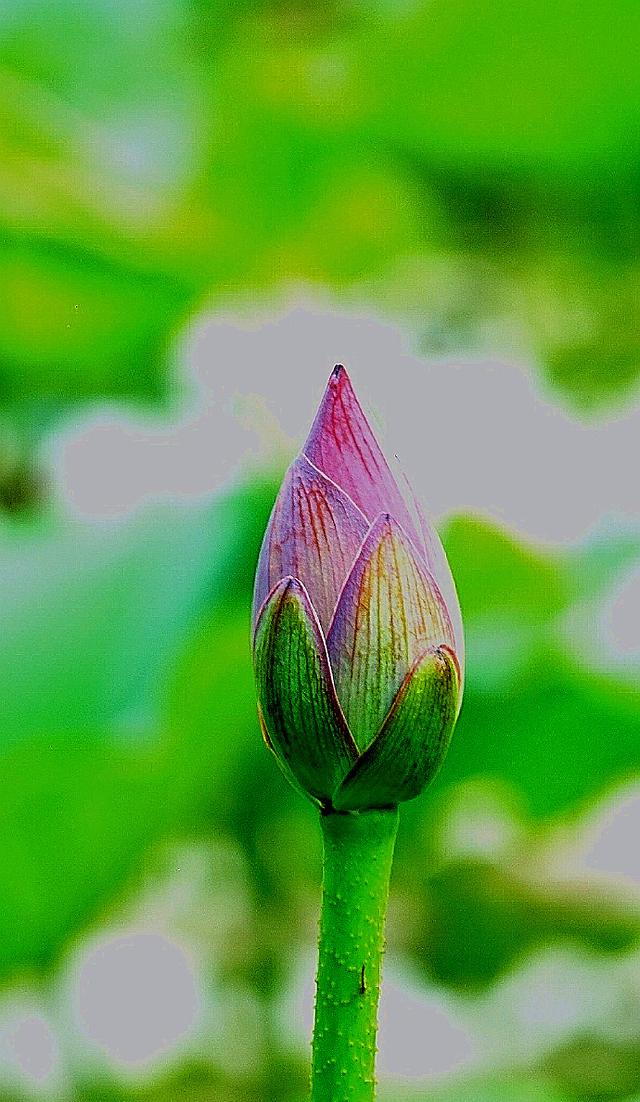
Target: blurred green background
(470,173)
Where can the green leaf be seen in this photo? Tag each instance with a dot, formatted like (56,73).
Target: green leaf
(80,807)
(482,917)
(80,813)
(596,1066)
(77,814)
(557,733)
(499,575)
(433,80)
(491,1088)
(74,325)
(92,617)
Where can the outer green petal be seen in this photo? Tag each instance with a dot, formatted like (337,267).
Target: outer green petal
(303,721)
(411,745)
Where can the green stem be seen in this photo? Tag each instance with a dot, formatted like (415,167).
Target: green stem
(358,851)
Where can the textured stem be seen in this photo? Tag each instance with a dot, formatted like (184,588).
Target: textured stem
(358,851)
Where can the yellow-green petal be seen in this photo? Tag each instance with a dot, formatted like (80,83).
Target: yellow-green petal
(411,745)
(389,613)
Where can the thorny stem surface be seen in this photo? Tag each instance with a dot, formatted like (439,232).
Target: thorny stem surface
(358,852)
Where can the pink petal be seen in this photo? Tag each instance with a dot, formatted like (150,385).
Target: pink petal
(389,612)
(438,566)
(341,443)
(314,535)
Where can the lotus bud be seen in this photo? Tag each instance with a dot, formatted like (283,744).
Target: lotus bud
(357,645)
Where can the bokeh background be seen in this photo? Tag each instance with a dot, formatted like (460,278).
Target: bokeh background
(203,206)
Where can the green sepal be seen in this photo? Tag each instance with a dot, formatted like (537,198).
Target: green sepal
(302,720)
(282,765)
(411,745)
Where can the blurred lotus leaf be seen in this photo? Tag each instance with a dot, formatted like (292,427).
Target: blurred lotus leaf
(592,1067)
(481,918)
(93,771)
(246,153)
(115,722)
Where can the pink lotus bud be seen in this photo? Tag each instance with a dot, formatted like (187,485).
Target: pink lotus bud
(358,646)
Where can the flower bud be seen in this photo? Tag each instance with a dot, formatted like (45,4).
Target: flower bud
(358,647)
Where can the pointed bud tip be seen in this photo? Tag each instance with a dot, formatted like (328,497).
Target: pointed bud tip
(339,378)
